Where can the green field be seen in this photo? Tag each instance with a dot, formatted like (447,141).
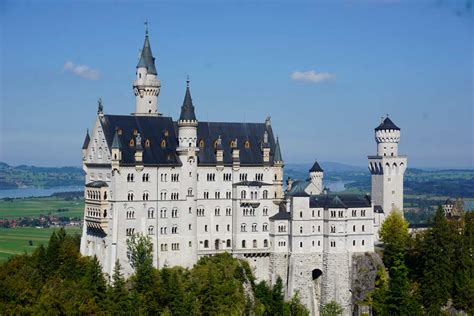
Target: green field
(33,207)
(14,241)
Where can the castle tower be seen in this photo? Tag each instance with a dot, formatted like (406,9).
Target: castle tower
(316,174)
(387,169)
(188,151)
(146,86)
(279,164)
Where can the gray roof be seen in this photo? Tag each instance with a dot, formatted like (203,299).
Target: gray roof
(327,201)
(316,168)
(387,124)
(278,156)
(187,110)
(298,188)
(146,58)
(97,184)
(87,140)
(282,213)
(252,184)
(157,129)
(378,209)
(116,142)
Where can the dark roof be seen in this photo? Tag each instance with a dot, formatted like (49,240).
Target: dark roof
(316,168)
(97,184)
(146,58)
(155,129)
(278,156)
(339,201)
(282,213)
(187,110)
(449,202)
(387,124)
(378,209)
(86,140)
(209,132)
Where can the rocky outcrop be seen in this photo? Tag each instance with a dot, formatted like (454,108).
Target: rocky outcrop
(363,275)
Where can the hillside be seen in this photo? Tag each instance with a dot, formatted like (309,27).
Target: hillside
(13,177)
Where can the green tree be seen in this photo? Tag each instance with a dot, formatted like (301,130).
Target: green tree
(379,296)
(141,259)
(117,295)
(438,264)
(331,309)
(295,308)
(463,293)
(394,234)
(278,302)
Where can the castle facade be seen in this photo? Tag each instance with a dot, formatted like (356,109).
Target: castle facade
(201,188)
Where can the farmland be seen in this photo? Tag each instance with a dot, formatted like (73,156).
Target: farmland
(34,207)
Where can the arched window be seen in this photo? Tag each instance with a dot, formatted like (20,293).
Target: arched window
(147,143)
(265,243)
(105,213)
(151,230)
(131,143)
(201,143)
(243,227)
(254,243)
(247,144)
(265,194)
(233,144)
(243,244)
(206,243)
(243,194)
(135,132)
(163,143)
(265,227)
(228,243)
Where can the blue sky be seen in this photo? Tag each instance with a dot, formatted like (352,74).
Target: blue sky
(324,71)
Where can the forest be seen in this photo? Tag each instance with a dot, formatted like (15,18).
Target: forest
(430,272)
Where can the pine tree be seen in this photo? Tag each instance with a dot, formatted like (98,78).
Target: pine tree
(463,292)
(278,302)
(438,264)
(118,296)
(94,281)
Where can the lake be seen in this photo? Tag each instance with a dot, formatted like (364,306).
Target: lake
(37,192)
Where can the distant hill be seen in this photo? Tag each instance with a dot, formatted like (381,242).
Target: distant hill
(23,176)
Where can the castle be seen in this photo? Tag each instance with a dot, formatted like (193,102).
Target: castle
(202,188)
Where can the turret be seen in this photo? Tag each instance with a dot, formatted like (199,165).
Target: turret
(146,86)
(316,174)
(116,150)
(387,136)
(219,153)
(278,164)
(187,124)
(266,149)
(87,140)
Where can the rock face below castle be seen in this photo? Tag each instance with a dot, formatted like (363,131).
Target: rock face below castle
(203,188)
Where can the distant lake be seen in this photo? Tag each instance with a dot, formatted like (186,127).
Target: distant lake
(37,192)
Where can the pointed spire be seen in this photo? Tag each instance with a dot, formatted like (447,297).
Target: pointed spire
(116,142)
(277,156)
(146,58)
(86,140)
(316,167)
(187,110)
(387,124)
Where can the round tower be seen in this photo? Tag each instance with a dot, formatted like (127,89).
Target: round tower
(146,86)
(387,136)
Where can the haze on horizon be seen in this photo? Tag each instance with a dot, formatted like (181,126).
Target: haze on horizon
(325,73)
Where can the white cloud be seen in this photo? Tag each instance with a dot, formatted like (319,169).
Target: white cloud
(312,76)
(82,71)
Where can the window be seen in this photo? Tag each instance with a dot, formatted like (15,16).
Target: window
(228,211)
(254,227)
(363,242)
(228,195)
(175,177)
(247,144)
(243,244)
(301,229)
(362,213)
(333,244)
(333,214)
(301,244)
(146,177)
(243,194)
(228,227)
(265,227)
(281,228)
(175,246)
(163,143)
(363,228)
(200,212)
(145,196)
(163,213)
(151,230)
(174,229)
(206,243)
(174,213)
(151,213)
(354,213)
(243,227)
(265,211)
(190,192)
(131,143)
(206,195)
(254,243)
(265,194)
(147,143)
(353,243)
(354,228)
(130,177)
(217,195)
(301,214)
(201,143)
(164,247)
(130,197)
(228,243)
(265,243)
(205,228)
(341,213)
(333,229)
(130,231)
(217,212)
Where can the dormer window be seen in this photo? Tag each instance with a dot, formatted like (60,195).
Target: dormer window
(233,144)
(215,143)
(135,132)
(163,143)
(147,143)
(131,143)
(201,143)
(119,131)
(166,133)
(247,144)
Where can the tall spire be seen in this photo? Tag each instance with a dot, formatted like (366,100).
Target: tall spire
(277,156)
(146,58)
(116,142)
(187,110)
(87,140)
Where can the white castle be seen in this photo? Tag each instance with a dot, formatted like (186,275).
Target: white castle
(203,188)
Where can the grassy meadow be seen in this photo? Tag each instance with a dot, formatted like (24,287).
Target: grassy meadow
(15,241)
(33,207)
